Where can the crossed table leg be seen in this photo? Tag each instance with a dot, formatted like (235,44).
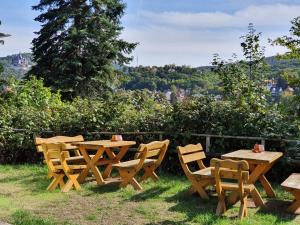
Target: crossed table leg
(93,162)
(258,172)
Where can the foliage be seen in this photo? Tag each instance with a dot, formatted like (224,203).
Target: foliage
(31,106)
(78,43)
(243,80)
(290,104)
(195,80)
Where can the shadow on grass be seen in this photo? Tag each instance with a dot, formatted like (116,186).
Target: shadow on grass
(34,181)
(151,193)
(278,209)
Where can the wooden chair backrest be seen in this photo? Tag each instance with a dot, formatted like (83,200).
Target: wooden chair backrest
(230,169)
(191,153)
(155,150)
(56,139)
(56,151)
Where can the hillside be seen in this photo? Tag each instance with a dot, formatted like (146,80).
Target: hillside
(155,78)
(16,65)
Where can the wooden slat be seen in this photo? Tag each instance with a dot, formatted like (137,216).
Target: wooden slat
(190,148)
(94,145)
(230,164)
(152,153)
(293,181)
(155,145)
(231,174)
(193,157)
(263,157)
(58,139)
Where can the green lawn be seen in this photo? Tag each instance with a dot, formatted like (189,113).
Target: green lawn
(24,200)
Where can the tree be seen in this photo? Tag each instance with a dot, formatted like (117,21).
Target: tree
(292,43)
(78,43)
(242,81)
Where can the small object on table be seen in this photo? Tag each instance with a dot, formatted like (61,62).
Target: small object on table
(117,137)
(258,148)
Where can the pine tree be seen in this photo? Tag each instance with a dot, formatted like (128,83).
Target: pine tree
(78,43)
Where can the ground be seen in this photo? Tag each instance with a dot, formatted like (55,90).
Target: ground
(25,201)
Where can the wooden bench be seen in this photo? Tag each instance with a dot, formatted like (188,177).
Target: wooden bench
(292,185)
(143,160)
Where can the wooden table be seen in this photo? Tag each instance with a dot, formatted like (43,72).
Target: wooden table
(93,161)
(259,164)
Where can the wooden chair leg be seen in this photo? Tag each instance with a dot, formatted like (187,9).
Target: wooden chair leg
(149,173)
(243,208)
(127,176)
(200,188)
(221,208)
(72,181)
(57,179)
(135,184)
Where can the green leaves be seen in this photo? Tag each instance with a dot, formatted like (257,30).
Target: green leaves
(77,44)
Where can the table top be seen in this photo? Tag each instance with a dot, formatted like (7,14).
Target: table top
(248,155)
(292,181)
(104,143)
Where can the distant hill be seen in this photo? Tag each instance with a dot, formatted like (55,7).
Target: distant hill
(16,65)
(19,64)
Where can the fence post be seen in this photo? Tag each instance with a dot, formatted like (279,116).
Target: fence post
(160,136)
(207,143)
(263,142)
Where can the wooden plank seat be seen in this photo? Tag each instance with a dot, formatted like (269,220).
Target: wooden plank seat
(201,178)
(64,168)
(132,163)
(238,172)
(292,185)
(143,160)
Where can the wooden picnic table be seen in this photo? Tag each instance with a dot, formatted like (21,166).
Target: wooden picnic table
(259,164)
(93,161)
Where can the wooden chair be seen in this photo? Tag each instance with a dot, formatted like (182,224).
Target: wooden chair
(201,178)
(63,167)
(61,139)
(129,169)
(156,153)
(238,171)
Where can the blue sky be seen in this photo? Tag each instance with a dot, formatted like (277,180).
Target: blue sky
(184,32)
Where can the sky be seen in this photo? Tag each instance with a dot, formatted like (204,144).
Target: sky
(182,32)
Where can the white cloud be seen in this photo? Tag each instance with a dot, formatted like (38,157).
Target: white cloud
(192,38)
(264,15)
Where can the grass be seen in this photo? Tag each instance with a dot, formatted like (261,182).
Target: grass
(25,201)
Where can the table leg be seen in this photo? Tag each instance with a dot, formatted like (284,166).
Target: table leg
(91,165)
(115,159)
(254,176)
(108,168)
